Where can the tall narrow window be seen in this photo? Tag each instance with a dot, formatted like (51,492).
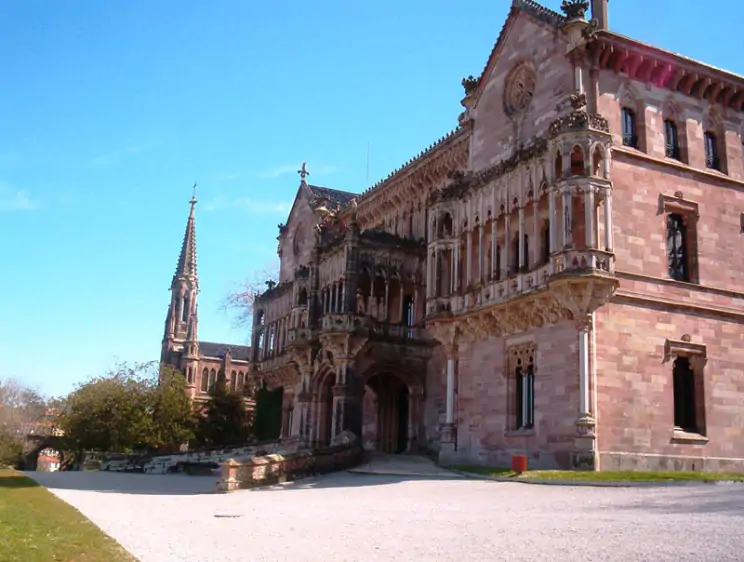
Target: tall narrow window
(497,274)
(212,377)
(525,395)
(711,151)
(677,258)
(685,415)
(671,139)
(185,311)
(205,380)
(545,254)
(526,266)
(630,136)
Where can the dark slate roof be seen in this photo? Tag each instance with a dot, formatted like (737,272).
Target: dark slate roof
(335,196)
(239,352)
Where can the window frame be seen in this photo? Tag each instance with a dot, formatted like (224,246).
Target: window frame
(697,356)
(520,370)
(672,149)
(628,116)
(689,211)
(711,145)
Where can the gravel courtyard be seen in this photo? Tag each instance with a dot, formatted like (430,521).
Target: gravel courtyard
(363,517)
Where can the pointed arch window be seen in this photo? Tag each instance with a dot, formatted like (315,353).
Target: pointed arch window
(205,380)
(212,378)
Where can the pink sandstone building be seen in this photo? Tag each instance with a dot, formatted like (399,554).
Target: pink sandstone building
(560,276)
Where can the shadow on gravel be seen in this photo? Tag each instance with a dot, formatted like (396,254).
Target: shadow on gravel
(123,483)
(351,480)
(725,499)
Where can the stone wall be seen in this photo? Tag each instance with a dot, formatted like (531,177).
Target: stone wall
(483,401)
(194,461)
(277,468)
(635,395)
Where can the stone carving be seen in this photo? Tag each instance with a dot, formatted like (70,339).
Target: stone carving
(470,84)
(574,9)
(519,89)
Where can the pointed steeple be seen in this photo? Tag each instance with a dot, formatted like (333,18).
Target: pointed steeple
(181,324)
(186,268)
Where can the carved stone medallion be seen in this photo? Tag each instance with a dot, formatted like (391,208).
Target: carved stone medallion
(519,89)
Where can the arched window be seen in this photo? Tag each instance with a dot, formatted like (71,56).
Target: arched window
(185,312)
(212,378)
(577,161)
(233,380)
(205,380)
(241,381)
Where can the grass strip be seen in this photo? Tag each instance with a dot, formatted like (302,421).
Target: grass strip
(36,526)
(605,476)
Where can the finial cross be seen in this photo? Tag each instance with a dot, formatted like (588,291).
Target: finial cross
(193,197)
(303,172)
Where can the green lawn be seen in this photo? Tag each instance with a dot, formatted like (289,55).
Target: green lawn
(36,526)
(605,476)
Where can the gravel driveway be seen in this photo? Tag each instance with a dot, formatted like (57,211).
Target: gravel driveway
(353,517)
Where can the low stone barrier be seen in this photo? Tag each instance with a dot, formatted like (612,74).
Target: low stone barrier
(196,462)
(277,468)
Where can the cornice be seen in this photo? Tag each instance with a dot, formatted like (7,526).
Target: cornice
(623,296)
(645,63)
(697,287)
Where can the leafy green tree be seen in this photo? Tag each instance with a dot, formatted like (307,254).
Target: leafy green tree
(173,418)
(130,408)
(222,420)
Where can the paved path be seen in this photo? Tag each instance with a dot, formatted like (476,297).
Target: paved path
(403,465)
(356,517)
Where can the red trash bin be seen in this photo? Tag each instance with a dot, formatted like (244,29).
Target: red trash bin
(519,463)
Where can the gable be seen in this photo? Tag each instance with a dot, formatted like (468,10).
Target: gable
(526,78)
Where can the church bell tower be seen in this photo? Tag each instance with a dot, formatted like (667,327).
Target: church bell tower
(180,339)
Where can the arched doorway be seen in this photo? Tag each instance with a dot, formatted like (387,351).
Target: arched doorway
(322,410)
(387,409)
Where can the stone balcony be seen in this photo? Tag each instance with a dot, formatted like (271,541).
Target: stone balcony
(566,263)
(299,337)
(273,361)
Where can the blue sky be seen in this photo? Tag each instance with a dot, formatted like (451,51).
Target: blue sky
(111,110)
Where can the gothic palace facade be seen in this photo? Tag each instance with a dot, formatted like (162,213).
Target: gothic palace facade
(559,276)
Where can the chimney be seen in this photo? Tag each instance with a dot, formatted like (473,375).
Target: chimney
(599,12)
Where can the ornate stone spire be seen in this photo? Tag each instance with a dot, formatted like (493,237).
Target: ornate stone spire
(186,267)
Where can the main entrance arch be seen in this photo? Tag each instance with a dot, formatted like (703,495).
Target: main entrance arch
(390,411)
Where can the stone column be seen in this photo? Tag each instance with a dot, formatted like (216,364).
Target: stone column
(507,245)
(522,259)
(585,454)
(551,220)
(429,266)
(343,307)
(448,437)
(493,248)
(536,239)
(567,218)
(386,318)
(468,263)
(590,215)
(401,306)
(481,253)
(347,403)
(456,265)
(608,220)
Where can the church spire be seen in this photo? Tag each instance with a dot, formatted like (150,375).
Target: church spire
(186,268)
(181,322)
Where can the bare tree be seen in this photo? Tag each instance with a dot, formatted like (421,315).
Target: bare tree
(241,300)
(22,411)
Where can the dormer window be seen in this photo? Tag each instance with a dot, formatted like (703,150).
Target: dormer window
(711,151)
(630,134)
(671,139)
